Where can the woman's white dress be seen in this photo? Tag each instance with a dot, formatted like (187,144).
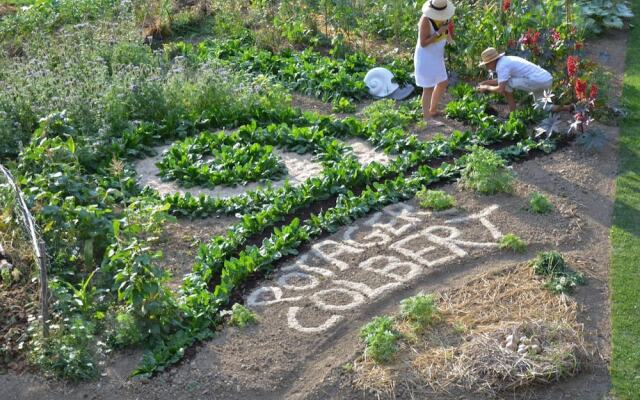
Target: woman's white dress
(429,63)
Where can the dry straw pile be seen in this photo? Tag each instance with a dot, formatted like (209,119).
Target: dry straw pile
(499,332)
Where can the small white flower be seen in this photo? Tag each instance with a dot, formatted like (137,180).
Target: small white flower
(575,125)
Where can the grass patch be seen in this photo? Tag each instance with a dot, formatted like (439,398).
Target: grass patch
(625,234)
(486,172)
(514,243)
(380,338)
(539,204)
(435,199)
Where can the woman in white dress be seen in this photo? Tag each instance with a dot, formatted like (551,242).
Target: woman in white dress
(430,71)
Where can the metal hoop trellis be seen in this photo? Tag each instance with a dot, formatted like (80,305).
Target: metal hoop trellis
(38,247)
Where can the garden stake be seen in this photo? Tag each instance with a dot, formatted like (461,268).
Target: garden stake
(38,248)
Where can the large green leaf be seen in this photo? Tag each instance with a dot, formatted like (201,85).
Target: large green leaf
(613,21)
(623,10)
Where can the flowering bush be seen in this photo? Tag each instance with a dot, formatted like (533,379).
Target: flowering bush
(580,92)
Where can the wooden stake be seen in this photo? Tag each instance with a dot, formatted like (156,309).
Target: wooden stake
(38,248)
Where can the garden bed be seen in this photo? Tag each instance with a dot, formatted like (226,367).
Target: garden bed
(315,258)
(275,359)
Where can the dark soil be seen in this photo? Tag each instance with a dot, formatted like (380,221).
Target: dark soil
(6,9)
(181,240)
(16,305)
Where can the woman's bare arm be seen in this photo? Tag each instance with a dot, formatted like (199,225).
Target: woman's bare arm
(492,82)
(424,30)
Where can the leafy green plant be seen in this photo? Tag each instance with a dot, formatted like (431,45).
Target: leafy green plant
(486,172)
(549,263)
(420,310)
(593,140)
(380,339)
(512,242)
(214,159)
(461,90)
(604,14)
(539,204)
(139,284)
(435,199)
(241,316)
(126,330)
(385,114)
(561,278)
(6,276)
(343,105)
(565,283)
(84,295)
(69,352)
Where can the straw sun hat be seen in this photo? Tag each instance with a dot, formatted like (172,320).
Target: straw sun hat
(439,10)
(489,55)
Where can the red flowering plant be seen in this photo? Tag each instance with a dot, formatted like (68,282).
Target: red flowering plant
(580,86)
(530,41)
(572,66)
(581,112)
(545,46)
(582,97)
(584,107)
(593,92)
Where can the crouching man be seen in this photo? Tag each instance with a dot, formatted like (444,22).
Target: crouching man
(513,73)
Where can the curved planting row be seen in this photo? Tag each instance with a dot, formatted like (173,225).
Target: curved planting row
(383,128)
(246,155)
(227,262)
(204,305)
(308,72)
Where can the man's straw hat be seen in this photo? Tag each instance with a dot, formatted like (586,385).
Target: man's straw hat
(439,10)
(489,55)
